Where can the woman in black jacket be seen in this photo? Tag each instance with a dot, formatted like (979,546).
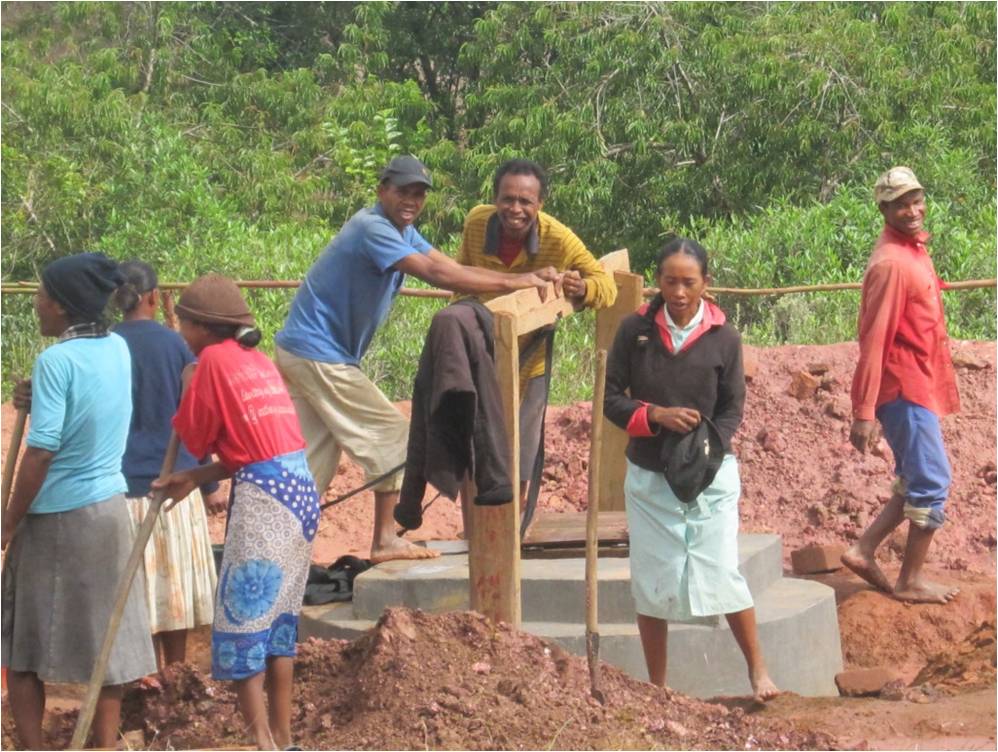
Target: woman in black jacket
(674,361)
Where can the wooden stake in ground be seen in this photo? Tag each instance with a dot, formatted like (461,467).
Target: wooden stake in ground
(12,451)
(86,716)
(592,531)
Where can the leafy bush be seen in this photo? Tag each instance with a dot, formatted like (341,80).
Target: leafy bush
(237,137)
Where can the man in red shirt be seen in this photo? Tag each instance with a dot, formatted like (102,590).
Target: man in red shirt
(904,378)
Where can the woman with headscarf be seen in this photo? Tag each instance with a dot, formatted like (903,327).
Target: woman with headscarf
(67,530)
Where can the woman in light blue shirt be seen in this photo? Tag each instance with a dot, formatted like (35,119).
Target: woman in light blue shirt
(66,529)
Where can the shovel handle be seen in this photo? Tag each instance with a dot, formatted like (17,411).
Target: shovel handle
(86,717)
(10,463)
(592,511)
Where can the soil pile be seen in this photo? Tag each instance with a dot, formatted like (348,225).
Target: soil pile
(967,665)
(801,478)
(453,681)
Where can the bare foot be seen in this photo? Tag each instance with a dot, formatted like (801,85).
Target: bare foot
(925,592)
(763,688)
(399,548)
(866,567)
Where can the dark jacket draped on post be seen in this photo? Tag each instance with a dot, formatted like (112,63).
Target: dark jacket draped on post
(457,425)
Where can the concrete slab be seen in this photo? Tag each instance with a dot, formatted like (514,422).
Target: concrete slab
(798,631)
(551,589)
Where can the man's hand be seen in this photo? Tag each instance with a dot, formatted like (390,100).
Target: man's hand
(574,285)
(22,395)
(678,419)
(862,434)
(215,502)
(541,278)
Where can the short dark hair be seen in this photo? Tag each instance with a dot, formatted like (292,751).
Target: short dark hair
(140,278)
(520,167)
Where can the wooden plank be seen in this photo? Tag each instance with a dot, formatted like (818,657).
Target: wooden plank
(494,540)
(529,311)
(569,529)
(616,261)
(612,464)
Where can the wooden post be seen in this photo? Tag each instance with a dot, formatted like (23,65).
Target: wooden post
(494,538)
(611,457)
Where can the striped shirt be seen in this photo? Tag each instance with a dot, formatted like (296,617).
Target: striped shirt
(550,244)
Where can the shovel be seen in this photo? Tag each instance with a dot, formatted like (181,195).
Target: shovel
(592,531)
(12,451)
(89,706)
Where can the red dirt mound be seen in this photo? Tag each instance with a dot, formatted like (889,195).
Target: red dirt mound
(970,664)
(453,681)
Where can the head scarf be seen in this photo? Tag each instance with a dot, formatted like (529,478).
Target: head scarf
(82,284)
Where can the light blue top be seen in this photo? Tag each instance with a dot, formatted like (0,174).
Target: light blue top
(81,407)
(349,289)
(680,334)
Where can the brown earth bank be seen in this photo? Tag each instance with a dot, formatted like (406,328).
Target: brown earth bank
(455,681)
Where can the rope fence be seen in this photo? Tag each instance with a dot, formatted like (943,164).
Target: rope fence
(24,288)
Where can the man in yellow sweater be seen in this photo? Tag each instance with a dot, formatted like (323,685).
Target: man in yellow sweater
(513,235)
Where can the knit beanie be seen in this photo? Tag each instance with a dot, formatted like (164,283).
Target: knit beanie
(82,284)
(214,299)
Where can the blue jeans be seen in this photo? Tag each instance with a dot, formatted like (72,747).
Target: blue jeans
(923,470)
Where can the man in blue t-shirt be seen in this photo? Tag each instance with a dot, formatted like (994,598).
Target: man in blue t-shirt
(342,301)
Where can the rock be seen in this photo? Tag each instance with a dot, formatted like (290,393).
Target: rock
(865,682)
(134,739)
(803,385)
(969,361)
(818,368)
(893,691)
(750,362)
(838,409)
(677,729)
(816,558)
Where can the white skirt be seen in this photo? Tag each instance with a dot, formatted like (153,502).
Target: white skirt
(684,557)
(179,566)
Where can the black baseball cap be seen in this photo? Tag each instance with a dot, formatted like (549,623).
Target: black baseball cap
(405,170)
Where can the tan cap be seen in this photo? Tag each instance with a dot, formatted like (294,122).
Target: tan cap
(894,183)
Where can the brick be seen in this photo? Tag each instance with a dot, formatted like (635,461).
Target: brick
(803,385)
(864,682)
(814,558)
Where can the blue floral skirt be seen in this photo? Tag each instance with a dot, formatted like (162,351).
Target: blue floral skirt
(268,547)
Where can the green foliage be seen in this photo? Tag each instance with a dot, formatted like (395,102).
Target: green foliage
(236,137)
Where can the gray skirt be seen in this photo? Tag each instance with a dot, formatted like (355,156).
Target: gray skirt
(59,580)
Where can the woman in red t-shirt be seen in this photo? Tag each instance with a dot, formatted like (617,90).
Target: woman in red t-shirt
(237,407)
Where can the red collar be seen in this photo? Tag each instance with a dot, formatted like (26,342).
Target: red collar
(713,317)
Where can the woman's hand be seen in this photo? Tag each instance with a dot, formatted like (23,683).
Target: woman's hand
(22,395)
(215,502)
(678,419)
(176,486)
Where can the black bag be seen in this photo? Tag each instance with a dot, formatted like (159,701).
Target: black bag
(691,460)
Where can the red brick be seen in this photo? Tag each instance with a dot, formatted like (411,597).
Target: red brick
(814,558)
(863,682)
(803,385)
